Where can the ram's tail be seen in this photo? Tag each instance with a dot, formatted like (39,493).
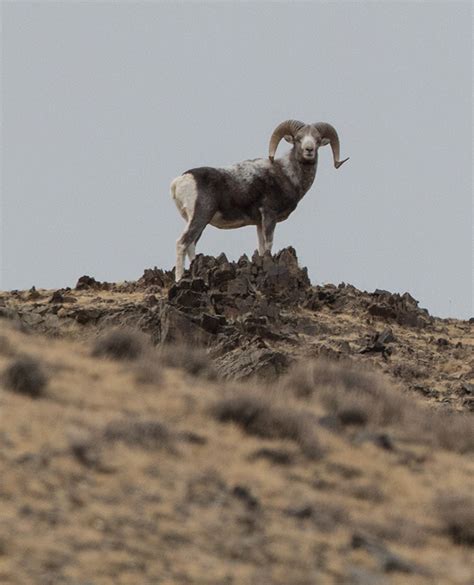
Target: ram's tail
(173,188)
(183,193)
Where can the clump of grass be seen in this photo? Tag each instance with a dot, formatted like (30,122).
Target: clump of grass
(6,347)
(453,431)
(148,434)
(119,344)
(456,513)
(87,452)
(257,415)
(194,361)
(148,371)
(353,395)
(25,375)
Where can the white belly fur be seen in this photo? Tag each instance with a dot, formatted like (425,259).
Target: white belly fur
(184,193)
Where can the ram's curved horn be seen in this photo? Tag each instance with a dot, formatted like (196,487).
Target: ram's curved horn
(288,127)
(329,132)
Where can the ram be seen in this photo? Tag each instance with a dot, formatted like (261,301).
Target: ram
(260,192)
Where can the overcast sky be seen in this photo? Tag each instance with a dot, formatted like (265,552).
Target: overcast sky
(105,103)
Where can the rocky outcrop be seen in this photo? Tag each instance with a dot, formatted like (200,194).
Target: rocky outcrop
(257,315)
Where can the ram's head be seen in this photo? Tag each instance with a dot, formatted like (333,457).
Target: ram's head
(306,138)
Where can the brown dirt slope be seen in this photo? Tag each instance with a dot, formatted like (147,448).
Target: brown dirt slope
(120,467)
(320,435)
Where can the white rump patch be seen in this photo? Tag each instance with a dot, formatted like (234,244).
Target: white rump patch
(184,193)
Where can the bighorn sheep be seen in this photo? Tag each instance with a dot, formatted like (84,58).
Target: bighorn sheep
(260,192)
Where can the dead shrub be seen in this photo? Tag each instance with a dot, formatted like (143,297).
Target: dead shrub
(25,375)
(193,361)
(87,452)
(453,431)
(148,434)
(6,348)
(369,492)
(456,513)
(119,344)
(148,371)
(348,392)
(258,416)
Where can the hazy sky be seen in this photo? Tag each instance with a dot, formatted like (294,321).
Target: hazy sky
(105,103)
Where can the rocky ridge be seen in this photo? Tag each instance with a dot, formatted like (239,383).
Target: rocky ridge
(258,315)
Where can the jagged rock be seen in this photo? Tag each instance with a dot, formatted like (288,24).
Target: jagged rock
(57,297)
(467,388)
(389,562)
(33,294)
(240,365)
(212,323)
(31,319)
(51,322)
(89,282)
(6,313)
(190,300)
(84,316)
(60,296)
(401,308)
(177,327)
(378,343)
(156,277)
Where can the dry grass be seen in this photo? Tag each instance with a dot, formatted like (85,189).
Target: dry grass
(193,361)
(354,396)
(25,375)
(456,513)
(258,415)
(147,433)
(359,398)
(222,502)
(119,344)
(149,370)
(452,431)
(6,348)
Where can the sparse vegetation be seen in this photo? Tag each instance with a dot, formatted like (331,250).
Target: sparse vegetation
(194,361)
(355,396)
(456,513)
(25,375)
(453,431)
(257,415)
(149,371)
(327,475)
(148,434)
(119,344)
(6,347)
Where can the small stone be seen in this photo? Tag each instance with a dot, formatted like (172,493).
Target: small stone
(57,297)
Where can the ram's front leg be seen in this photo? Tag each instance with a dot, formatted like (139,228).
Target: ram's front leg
(261,240)
(266,231)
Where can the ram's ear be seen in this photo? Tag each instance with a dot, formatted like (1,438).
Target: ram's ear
(325,141)
(289,138)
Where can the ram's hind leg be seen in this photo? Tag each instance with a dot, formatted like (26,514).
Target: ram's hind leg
(191,252)
(186,244)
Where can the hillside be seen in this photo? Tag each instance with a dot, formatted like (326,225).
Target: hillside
(304,435)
